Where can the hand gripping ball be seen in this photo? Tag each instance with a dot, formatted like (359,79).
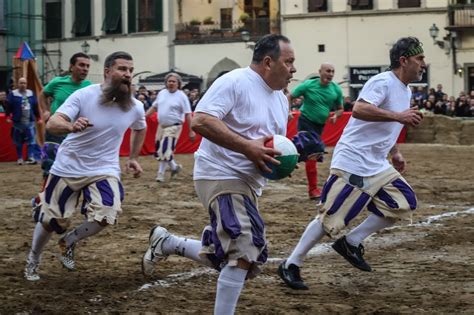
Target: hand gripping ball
(288,157)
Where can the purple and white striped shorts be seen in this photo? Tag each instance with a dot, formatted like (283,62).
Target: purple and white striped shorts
(386,194)
(102,199)
(236,229)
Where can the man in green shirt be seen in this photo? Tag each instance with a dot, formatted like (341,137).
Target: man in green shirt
(53,96)
(321,96)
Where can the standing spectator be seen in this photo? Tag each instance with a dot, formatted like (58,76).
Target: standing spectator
(321,96)
(439,94)
(3,101)
(239,112)
(360,174)
(451,107)
(471,107)
(194,98)
(462,106)
(23,107)
(95,119)
(173,107)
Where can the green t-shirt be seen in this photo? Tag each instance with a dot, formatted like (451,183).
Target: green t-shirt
(60,88)
(319,100)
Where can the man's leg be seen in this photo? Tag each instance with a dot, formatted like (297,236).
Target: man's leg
(229,285)
(289,270)
(312,177)
(41,236)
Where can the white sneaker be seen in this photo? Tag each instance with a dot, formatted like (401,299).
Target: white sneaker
(31,271)
(154,253)
(178,169)
(67,255)
(19,161)
(160,177)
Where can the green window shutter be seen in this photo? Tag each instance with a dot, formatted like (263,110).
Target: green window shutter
(53,20)
(82,23)
(158,21)
(113,17)
(132,16)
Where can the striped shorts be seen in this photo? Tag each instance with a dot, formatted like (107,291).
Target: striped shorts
(237,230)
(167,136)
(345,195)
(102,199)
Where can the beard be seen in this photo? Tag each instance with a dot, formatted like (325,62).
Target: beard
(118,92)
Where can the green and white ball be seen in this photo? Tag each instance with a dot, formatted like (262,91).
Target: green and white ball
(288,158)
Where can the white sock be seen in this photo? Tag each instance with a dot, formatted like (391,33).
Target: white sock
(229,284)
(162,167)
(372,224)
(173,165)
(186,247)
(314,233)
(40,238)
(84,230)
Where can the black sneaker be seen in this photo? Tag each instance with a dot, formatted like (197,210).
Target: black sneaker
(352,254)
(291,276)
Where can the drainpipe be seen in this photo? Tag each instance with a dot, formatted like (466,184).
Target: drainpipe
(171,36)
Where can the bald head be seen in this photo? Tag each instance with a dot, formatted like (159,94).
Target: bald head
(326,73)
(22,83)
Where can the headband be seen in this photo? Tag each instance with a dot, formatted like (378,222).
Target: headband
(413,50)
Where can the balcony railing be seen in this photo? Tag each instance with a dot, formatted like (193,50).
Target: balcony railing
(461,16)
(187,33)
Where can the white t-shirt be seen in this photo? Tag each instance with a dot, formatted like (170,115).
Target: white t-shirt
(95,151)
(171,107)
(364,145)
(250,108)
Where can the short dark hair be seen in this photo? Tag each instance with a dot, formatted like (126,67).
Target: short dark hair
(110,60)
(73,59)
(406,46)
(268,45)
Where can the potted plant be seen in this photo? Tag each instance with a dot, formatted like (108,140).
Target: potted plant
(208,21)
(194,22)
(244,17)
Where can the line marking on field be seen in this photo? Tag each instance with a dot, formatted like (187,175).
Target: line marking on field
(320,249)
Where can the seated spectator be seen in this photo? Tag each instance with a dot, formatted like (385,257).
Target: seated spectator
(193,98)
(451,108)
(462,107)
(420,96)
(471,108)
(439,108)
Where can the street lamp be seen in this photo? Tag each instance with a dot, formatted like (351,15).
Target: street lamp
(85,47)
(443,44)
(245,35)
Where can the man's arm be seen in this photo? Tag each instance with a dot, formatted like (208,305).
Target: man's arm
(44,102)
(216,131)
(60,124)
(192,134)
(137,137)
(365,111)
(398,161)
(150,111)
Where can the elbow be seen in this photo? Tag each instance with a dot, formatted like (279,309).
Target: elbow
(197,123)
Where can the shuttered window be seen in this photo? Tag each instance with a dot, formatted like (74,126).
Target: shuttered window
(82,18)
(113,17)
(145,16)
(53,20)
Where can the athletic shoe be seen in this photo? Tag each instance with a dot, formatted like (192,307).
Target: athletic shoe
(160,178)
(291,276)
(30,161)
(178,169)
(19,161)
(352,254)
(314,194)
(154,253)
(31,271)
(67,255)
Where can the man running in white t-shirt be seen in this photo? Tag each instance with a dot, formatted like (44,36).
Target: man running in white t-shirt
(360,175)
(240,111)
(173,108)
(95,119)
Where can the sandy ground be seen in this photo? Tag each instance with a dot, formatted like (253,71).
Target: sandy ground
(425,267)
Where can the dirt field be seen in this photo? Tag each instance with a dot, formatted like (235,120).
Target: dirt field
(426,267)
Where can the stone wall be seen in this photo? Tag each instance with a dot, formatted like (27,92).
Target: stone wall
(442,129)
